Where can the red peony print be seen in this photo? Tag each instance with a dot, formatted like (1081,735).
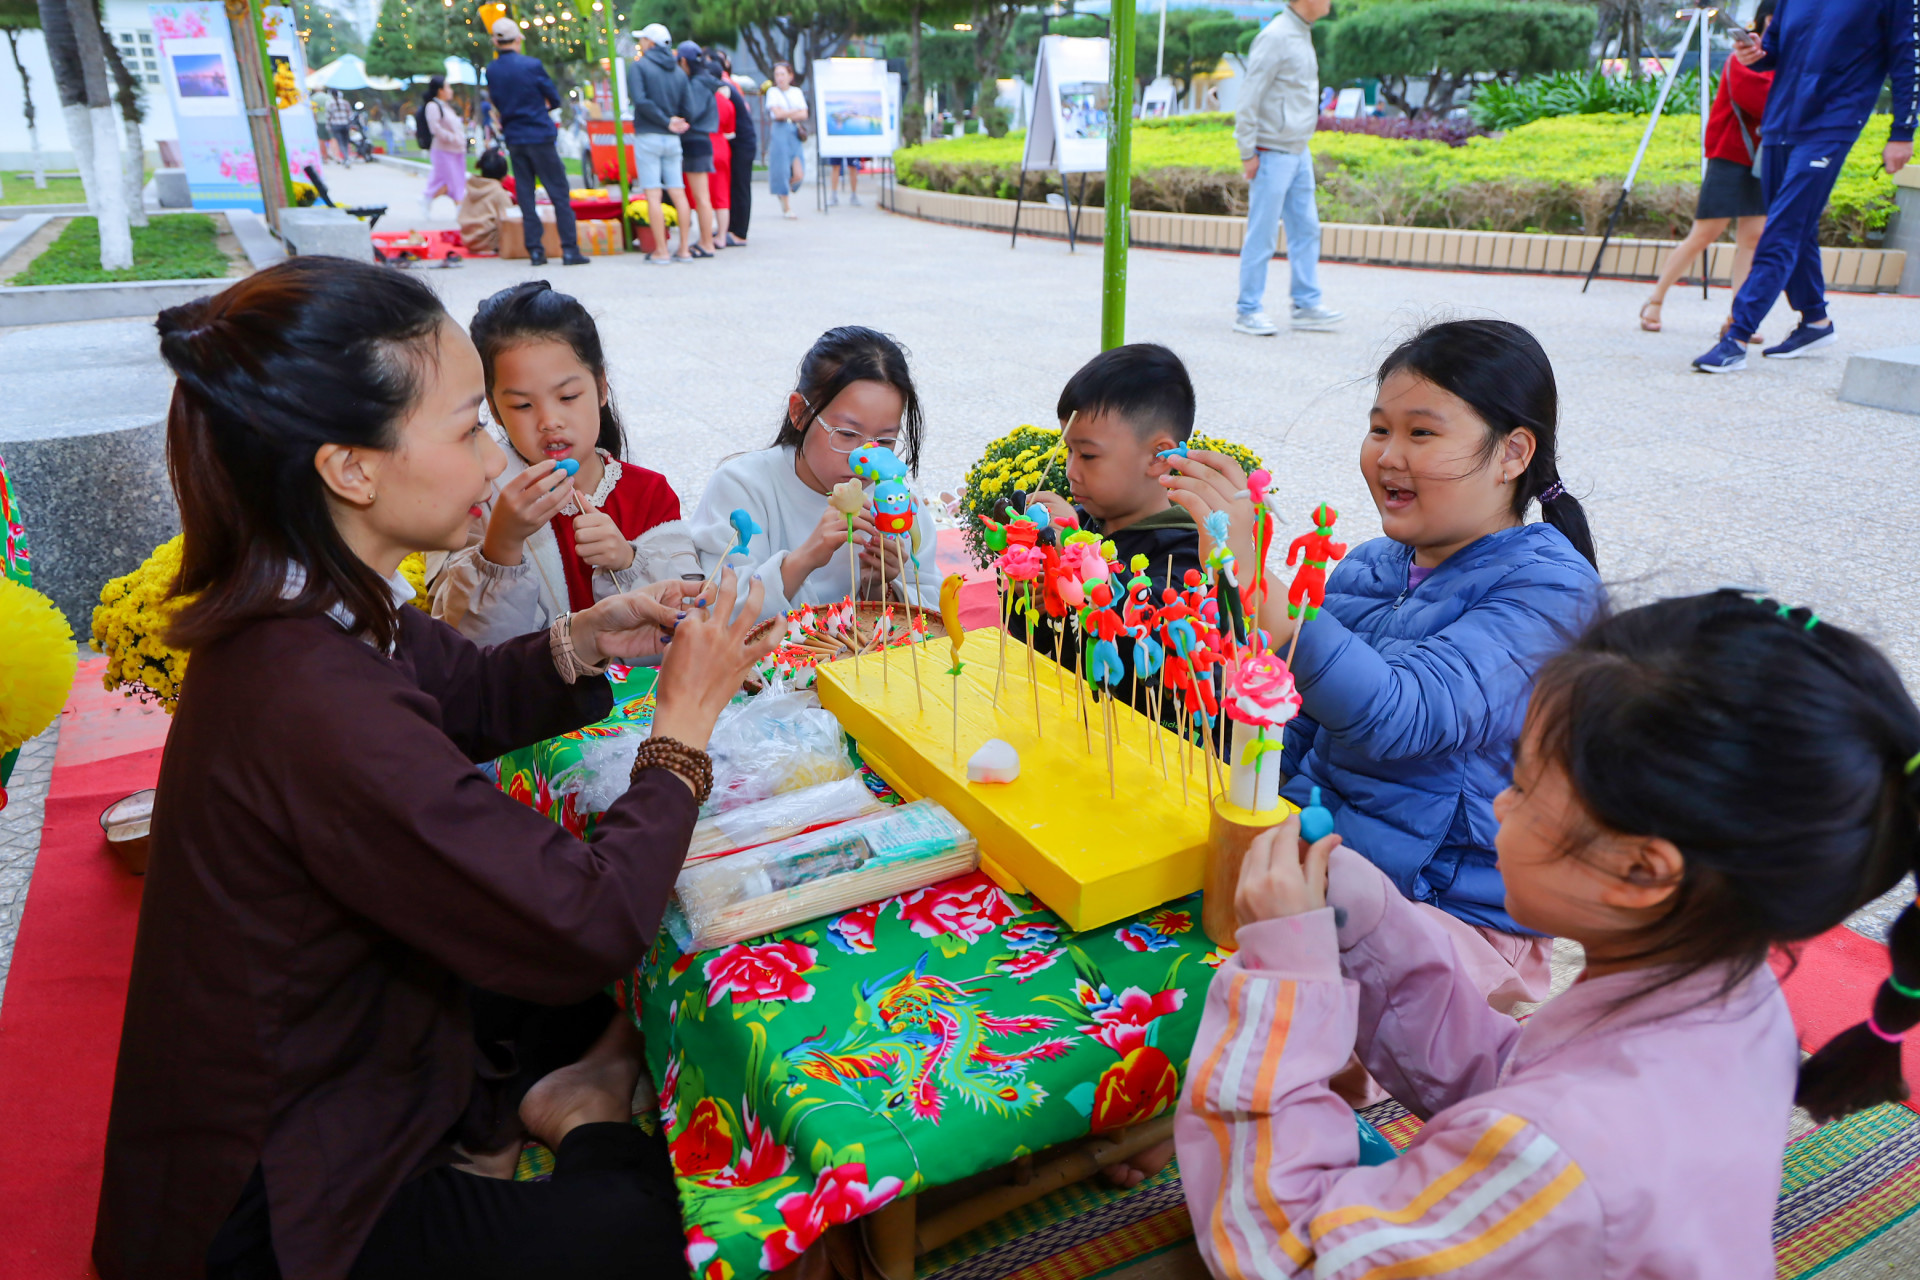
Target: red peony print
(700,1248)
(853,932)
(1138,1087)
(1121,1022)
(707,1144)
(840,1196)
(969,907)
(770,971)
(1026,964)
(761,1157)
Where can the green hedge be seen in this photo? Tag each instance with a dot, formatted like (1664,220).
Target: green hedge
(1554,175)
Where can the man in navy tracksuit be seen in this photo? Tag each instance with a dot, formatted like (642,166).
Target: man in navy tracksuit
(1829,59)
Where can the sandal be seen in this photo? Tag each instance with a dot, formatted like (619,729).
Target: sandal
(698,252)
(1653,325)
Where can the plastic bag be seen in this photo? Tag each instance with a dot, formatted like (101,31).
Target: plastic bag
(601,774)
(776,886)
(775,742)
(782,816)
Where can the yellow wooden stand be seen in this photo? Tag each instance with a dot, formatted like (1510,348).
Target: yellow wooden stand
(1232,830)
(1054,832)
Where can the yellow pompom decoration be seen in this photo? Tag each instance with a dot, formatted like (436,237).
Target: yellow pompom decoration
(130,624)
(36,663)
(414,570)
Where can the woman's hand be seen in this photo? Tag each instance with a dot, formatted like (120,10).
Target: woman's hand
(633,624)
(1207,482)
(1276,881)
(526,502)
(708,660)
(598,540)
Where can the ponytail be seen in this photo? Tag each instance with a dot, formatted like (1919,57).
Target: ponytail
(1861,1067)
(1501,372)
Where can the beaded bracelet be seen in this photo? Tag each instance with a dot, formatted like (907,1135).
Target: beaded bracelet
(675,756)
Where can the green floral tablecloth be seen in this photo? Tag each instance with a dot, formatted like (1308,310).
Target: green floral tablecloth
(810,1076)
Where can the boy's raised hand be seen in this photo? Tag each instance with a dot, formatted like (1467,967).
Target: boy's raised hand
(526,502)
(1206,482)
(1276,881)
(598,539)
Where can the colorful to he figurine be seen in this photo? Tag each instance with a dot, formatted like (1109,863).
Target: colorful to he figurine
(1314,550)
(876,462)
(892,507)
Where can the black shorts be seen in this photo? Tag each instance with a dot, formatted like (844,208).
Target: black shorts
(696,152)
(1730,191)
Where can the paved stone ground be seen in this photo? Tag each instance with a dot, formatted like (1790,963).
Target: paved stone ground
(1761,478)
(20,836)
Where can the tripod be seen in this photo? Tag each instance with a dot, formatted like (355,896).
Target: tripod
(1699,18)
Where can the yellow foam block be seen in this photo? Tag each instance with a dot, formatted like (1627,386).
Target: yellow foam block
(1091,859)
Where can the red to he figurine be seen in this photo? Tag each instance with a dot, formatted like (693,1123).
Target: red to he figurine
(1315,551)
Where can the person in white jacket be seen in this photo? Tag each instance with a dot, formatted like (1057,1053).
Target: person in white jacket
(854,391)
(1279,110)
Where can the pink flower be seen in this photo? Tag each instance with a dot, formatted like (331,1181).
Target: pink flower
(669,1091)
(970,906)
(770,971)
(1260,691)
(700,1248)
(1022,564)
(760,1158)
(1024,966)
(1121,1023)
(853,932)
(840,1196)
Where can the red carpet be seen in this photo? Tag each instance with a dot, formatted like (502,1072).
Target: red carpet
(60,1023)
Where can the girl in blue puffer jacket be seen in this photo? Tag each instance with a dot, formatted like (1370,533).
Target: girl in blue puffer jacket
(1414,677)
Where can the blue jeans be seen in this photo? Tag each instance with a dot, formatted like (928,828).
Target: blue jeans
(1283,188)
(1798,180)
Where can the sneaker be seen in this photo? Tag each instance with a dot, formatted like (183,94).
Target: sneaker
(574,258)
(834,199)
(1316,317)
(1255,323)
(854,198)
(1802,340)
(1727,356)
(536,257)
(426,207)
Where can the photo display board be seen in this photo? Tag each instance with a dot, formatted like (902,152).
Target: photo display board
(209,109)
(1071,101)
(287,61)
(851,109)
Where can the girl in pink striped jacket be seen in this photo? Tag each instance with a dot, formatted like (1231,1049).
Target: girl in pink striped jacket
(1697,782)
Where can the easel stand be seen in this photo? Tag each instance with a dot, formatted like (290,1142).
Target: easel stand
(1075,203)
(1696,18)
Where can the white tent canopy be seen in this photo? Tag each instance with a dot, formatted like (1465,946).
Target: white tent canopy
(349,71)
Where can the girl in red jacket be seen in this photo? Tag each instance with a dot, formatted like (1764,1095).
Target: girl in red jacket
(1730,192)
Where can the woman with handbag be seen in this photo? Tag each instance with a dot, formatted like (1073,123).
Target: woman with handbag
(1730,192)
(788,107)
(447,145)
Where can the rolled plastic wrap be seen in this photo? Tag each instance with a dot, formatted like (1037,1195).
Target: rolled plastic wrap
(776,886)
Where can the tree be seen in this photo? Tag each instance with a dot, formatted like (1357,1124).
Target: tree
(791,31)
(17,16)
(1196,41)
(76,49)
(415,39)
(133,161)
(913,15)
(327,35)
(1448,44)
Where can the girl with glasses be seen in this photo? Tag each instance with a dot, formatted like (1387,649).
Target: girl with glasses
(854,390)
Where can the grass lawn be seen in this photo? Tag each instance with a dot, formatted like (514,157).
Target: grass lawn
(178,246)
(20,190)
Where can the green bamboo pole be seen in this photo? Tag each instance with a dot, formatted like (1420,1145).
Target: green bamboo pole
(614,70)
(1113,293)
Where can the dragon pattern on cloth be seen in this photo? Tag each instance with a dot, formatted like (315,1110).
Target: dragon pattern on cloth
(927,1038)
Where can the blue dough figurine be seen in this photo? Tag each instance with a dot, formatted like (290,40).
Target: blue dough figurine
(744,530)
(567,465)
(1316,823)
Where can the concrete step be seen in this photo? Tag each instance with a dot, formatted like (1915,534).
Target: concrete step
(1885,379)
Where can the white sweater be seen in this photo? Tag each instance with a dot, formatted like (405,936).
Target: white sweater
(764,484)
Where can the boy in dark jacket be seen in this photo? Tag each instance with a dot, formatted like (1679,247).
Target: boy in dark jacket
(1119,412)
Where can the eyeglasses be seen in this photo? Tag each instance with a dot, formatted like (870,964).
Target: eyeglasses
(845,440)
